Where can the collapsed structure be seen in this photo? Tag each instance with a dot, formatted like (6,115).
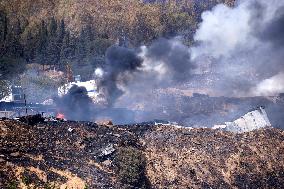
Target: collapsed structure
(251,121)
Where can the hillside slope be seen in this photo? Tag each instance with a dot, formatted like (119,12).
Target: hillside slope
(77,154)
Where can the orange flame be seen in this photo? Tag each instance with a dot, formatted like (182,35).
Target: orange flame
(60,116)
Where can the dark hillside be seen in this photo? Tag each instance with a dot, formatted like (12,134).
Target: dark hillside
(78,154)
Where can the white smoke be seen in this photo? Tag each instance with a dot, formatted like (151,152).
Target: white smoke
(241,43)
(270,87)
(99,72)
(222,30)
(156,67)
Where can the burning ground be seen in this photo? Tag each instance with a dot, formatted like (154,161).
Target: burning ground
(84,154)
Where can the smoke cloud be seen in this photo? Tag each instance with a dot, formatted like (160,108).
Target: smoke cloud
(245,44)
(122,63)
(164,63)
(270,86)
(76,104)
(172,57)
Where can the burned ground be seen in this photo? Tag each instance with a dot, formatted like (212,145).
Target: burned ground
(203,158)
(84,154)
(68,152)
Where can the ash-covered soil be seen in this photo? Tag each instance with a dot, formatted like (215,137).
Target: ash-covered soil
(87,155)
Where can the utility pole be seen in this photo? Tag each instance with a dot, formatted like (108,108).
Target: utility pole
(26,109)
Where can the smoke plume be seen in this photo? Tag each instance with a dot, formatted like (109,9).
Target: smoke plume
(270,86)
(164,63)
(170,58)
(76,104)
(245,44)
(122,63)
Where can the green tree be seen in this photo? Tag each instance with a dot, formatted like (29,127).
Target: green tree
(3,26)
(53,47)
(131,164)
(66,51)
(29,47)
(82,47)
(42,38)
(11,67)
(52,31)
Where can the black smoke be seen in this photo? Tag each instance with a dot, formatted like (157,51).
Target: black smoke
(121,63)
(274,31)
(131,76)
(76,104)
(175,57)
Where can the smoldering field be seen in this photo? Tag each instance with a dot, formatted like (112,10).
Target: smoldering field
(237,55)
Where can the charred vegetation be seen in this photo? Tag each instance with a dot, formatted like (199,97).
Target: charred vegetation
(138,156)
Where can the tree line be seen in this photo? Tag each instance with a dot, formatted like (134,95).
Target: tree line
(57,33)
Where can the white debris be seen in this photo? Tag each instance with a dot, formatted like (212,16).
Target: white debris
(109,149)
(251,121)
(70,129)
(160,123)
(165,123)
(183,127)
(48,102)
(219,126)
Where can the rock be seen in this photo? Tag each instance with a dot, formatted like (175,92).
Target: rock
(104,122)
(15,154)
(116,135)
(107,162)
(70,129)
(108,150)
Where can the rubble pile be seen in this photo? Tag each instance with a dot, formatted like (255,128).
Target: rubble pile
(88,155)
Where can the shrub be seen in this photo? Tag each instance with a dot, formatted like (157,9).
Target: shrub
(130,163)
(12,185)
